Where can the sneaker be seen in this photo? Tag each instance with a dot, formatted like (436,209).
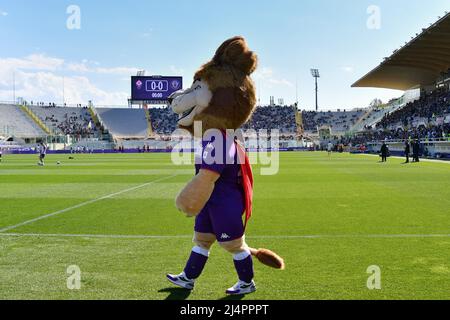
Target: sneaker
(242,287)
(181,280)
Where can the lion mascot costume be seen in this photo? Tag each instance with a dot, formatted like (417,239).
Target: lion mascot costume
(222,98)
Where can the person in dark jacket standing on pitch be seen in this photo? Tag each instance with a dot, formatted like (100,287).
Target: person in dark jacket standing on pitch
(416,150)
(384,152)
(407,151)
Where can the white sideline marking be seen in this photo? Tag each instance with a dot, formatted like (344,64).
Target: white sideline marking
(85,203)
(104,236)
(121,236)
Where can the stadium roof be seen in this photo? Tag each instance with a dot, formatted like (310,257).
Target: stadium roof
(418,63)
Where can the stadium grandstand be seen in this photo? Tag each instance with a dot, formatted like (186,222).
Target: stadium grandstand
(338,121)
(15,122)
(421,68)
(421,65)
(102,127)
(163,120)
(274,117)
(124,123)
(65,120)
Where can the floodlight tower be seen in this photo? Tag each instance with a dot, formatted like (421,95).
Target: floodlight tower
(315,73)
(14,87)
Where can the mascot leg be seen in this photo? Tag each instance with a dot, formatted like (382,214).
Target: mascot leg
(199,255)
(243,263)
(196,262)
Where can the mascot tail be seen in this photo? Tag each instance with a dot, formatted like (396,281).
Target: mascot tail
(269,258)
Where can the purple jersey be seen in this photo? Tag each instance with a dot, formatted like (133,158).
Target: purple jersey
(223,161)
(222,214)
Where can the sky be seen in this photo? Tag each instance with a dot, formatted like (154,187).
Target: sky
(76,51)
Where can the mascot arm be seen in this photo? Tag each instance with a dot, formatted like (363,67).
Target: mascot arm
(197,192)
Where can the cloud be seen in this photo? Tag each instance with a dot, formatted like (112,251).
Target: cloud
(43,62)
(31,62)
(48,87)
(78,67)
(3,13)
(80,89)
(263,73)
(34,62)
(85,67)
(146,34)
(176,71)
(37,78)
(117,70)
(348,69)
(265,77)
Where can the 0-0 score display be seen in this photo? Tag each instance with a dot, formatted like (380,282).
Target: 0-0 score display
(155,88)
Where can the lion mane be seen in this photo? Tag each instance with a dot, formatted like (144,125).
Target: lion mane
(233,91)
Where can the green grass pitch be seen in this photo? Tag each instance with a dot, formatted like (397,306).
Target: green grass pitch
(329,218)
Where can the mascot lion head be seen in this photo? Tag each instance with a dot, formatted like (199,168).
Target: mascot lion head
(222,95)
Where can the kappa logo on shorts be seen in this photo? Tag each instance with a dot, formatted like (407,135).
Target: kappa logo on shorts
(224,236)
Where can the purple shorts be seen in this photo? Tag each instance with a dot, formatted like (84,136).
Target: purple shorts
(222,216)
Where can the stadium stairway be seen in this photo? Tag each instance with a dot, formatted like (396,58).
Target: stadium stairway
(359,125)
(299,122)
(377,116)
(94,116)
(149,123)
(36,119)
(102,132)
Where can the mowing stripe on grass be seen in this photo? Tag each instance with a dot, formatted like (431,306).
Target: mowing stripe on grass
(286,237)
(86,203)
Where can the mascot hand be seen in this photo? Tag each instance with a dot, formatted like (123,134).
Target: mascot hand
(197,192)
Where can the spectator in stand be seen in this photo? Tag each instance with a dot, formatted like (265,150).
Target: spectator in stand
(429,106)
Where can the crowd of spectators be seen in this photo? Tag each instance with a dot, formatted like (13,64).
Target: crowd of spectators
(423,119)
(431,109)
(79,125)
(429,106)
(164,121)
(337,120)
(432,132)
(78,122)
(273,117)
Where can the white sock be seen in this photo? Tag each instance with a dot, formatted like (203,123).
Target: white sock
(241,255)
(201,251)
